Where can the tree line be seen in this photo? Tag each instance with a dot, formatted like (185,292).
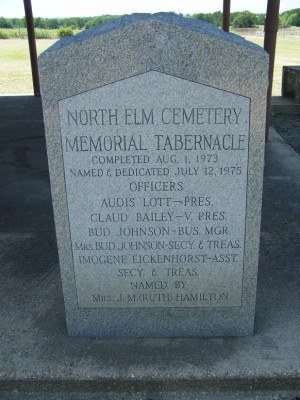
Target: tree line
(56,23)
(240,19)
(247,19)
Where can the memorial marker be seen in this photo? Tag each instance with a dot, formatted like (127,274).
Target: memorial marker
(155,133)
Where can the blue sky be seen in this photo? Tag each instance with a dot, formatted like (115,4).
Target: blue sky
(80,8)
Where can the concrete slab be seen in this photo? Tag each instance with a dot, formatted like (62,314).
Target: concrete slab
(281,104)
(39,360)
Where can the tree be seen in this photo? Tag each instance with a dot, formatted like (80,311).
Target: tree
(218,16)
(98,20)
(63,32)
(214,18)
(290,18)
(204,17)
(5,23)
(260,19)
(244,19)
(293,20)
(39,23)
(52,23)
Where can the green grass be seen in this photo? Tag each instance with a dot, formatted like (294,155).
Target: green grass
(15,72)
(21,33)
(287,53)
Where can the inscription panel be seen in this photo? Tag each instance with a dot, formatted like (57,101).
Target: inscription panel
(156,177)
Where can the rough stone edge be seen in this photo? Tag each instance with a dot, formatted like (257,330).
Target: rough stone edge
(197,25)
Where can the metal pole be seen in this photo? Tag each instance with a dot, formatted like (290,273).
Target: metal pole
(226,15)
(32,48)
(271,29)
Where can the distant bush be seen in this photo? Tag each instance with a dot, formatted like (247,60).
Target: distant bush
(244,19)
(214,18)
(63,32)
(5,23)
(45,33)
(20,33)
(290,18)
(3,35)
(99,20)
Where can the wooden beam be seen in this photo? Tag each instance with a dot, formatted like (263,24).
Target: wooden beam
(226,15)
(271,29)
(32,47)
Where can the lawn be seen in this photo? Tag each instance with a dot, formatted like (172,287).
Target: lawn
(15,72)
(287,53)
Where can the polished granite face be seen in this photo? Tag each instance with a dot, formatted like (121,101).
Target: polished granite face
(155,138)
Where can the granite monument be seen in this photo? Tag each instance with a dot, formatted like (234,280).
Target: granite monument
(155,138)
